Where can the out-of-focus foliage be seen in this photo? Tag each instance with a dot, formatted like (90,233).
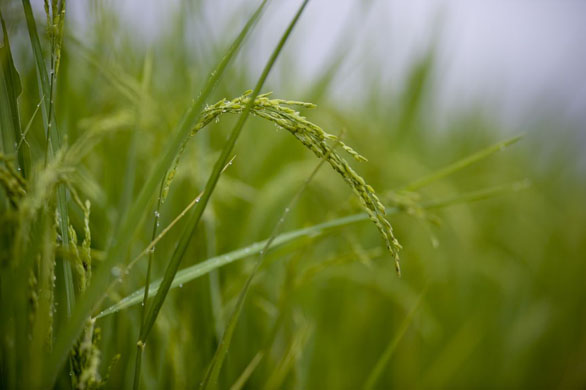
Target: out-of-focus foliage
(496,288)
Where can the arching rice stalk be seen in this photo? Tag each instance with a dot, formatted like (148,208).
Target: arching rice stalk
(281,113)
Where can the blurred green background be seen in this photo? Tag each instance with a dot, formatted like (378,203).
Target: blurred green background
(495,288)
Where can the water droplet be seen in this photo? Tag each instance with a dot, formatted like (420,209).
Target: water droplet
(142,303)
(116,272)
(434,242)
(157,215)
(180,285)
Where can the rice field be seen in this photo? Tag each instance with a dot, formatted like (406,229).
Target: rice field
(173,217)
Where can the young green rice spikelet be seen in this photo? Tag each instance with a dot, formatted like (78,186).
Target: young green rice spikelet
(85,355)
(55,12)
(12,182)
(282,113)
(86,358)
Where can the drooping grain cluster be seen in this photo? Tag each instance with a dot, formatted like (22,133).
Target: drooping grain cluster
(282,113)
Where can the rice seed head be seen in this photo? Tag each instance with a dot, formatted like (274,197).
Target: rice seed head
(283,113)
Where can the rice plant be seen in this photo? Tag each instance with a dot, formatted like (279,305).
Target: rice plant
(149,239)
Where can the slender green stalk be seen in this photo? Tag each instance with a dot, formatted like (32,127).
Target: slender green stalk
(247,371)
(482,194)
(194,219)
(214,285)
(116,254)
(294,350)
(140,346)
(460,164)
(53,137)
(157,214)
(211,378)
(10,89)
(392,346)
(151,251)
(28,125)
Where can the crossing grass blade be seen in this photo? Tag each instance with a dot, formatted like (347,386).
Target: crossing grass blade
(150,250)
(213,372)
(116,254)
(462,163)
(194,219)
(10,89)
(239,384)
(383,360)
(191,273)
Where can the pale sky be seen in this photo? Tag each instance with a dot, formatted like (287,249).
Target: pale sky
(511,56)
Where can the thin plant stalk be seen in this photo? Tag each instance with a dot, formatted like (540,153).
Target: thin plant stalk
(213,372)
(151,252)
(140,346)
(462,163)
(194,219)
(239,384)
(382,362)
(53,138)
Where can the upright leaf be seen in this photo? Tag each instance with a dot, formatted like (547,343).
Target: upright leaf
(10,89)
(53,141)
(211,377)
